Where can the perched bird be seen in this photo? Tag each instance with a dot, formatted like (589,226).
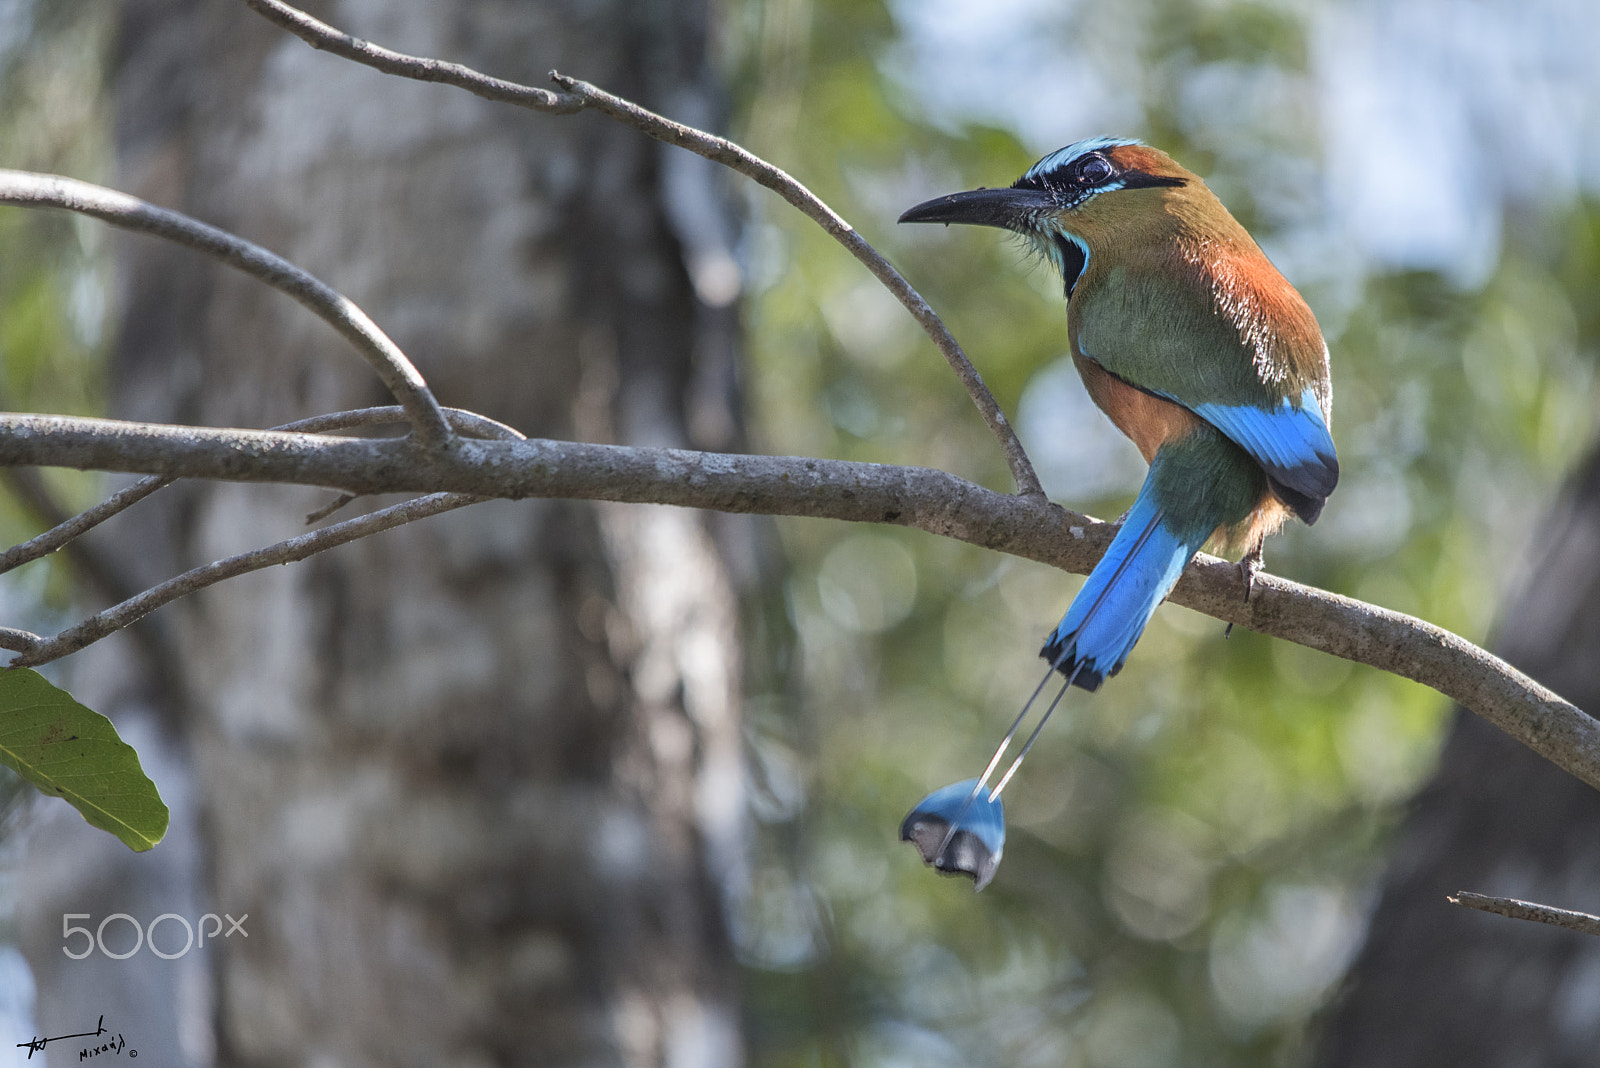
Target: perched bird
(1198,350)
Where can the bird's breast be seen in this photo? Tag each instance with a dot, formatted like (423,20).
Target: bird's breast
(1147,420)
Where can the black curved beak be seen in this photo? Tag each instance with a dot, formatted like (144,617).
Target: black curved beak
(1005,208)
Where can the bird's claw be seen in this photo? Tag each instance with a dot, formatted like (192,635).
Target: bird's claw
(1249,564)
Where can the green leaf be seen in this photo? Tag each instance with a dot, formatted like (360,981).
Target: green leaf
(73,752)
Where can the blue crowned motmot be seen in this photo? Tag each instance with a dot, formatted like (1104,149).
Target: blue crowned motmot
(1199,351)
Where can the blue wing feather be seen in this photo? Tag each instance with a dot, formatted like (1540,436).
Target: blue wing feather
(1291,443)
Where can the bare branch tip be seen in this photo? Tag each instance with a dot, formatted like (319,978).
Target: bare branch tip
(19,641)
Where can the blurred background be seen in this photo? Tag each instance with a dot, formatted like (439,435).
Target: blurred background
(1197,853)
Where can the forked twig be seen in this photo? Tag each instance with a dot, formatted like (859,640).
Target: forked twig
(37,650)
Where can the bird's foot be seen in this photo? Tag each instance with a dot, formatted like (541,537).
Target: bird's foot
(1249,564)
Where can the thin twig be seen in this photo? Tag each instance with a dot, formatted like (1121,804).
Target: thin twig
(85,521)
(321,36)
(471,424)
(288,551)
(119,209)
(95,569)
(92,566)
(929,500)
(719,150)
(1528,910)
(328,509)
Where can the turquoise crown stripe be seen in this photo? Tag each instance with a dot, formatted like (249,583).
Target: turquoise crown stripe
(1066,155)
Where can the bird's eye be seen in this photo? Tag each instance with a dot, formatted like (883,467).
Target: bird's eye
(1095,170)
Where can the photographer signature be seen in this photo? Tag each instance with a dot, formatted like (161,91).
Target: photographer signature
(110,1045)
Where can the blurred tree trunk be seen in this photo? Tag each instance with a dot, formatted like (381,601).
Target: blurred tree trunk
(476,782)
(1440,985)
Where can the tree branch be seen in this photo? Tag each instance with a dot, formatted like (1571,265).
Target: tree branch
(926,499)
(130,213)
(64,532)
(717,149)
(1528,910)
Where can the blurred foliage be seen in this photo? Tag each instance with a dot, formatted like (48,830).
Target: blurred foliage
(1191,847)
(54,281)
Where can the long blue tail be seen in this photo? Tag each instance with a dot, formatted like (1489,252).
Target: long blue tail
(1111,611)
